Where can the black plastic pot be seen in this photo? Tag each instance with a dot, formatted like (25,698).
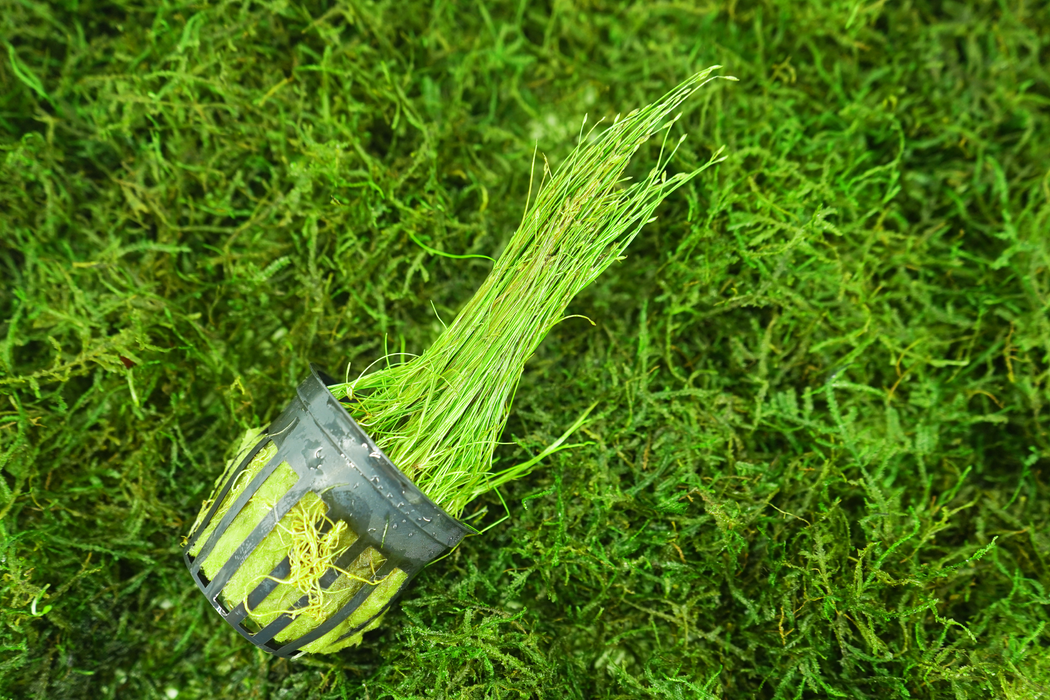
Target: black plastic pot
(335,459)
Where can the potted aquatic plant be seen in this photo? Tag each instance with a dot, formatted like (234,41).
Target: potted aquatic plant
(325,515)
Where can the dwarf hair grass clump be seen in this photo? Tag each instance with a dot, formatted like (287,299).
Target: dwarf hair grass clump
(438,416)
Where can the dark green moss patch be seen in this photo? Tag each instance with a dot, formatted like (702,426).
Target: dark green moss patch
(818,465)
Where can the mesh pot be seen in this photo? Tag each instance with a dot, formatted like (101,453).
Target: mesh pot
(398,529)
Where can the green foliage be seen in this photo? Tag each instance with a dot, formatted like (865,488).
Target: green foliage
(439,415)
(818,461)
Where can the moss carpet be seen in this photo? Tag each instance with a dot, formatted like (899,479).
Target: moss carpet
(818,465)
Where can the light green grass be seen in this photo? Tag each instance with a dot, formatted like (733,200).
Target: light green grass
(439,416)
(820,450)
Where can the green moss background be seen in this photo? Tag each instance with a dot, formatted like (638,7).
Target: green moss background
(819,464)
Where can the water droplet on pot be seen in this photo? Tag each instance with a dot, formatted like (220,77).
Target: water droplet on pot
(395,526)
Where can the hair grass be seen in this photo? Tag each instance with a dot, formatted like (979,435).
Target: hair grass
(439,416)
